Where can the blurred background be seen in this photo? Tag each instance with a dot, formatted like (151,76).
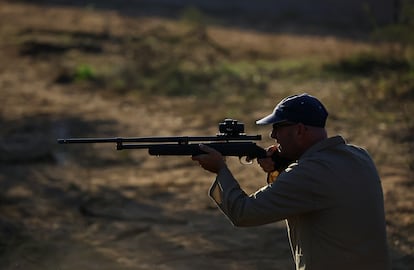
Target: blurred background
(136,68)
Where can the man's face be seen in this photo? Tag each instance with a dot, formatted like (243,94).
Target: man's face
(285,136)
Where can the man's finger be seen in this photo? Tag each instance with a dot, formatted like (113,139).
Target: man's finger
(271,149)
(203,148)
(207,149)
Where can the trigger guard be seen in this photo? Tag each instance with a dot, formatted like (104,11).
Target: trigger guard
(246,161)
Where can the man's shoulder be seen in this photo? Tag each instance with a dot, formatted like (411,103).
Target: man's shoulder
(321,146)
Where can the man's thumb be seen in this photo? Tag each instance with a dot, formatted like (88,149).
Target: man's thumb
(206,148)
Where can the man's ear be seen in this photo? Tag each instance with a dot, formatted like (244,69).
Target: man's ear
(301,130)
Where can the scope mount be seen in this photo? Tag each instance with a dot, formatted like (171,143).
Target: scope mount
(231,128)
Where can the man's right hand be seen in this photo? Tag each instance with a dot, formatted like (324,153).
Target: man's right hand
(267,164)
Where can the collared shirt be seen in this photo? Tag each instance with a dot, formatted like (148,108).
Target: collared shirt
(332,201)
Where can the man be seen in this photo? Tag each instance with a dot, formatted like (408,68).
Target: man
(330,195)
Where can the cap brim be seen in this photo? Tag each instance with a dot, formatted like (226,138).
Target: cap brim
(270,119)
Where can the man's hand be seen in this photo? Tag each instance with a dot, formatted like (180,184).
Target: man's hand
(267,164)
(213,161)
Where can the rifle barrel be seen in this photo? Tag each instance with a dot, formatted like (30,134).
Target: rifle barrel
(179,140)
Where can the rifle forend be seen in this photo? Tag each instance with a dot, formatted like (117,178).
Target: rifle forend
(231,141)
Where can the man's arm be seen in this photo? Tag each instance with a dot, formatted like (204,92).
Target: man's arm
(293,193)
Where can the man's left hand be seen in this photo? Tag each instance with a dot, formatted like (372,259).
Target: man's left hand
(213,161)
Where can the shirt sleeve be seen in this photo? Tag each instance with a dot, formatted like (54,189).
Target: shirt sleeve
(293,193)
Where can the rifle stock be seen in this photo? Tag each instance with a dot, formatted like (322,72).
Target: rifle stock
(237,149)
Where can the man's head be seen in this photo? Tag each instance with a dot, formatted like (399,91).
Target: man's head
(298,123)
(303,108)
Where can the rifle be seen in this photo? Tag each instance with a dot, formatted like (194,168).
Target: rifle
(230,141)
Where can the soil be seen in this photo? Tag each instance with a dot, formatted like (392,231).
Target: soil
(91,207)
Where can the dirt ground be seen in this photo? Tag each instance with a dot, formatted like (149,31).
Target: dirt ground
(91,207)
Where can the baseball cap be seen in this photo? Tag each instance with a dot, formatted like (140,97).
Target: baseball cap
(303,108)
